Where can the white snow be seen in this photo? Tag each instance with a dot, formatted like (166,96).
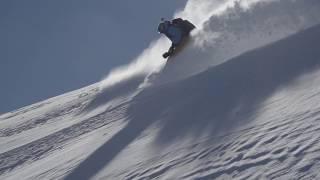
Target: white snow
(241,101)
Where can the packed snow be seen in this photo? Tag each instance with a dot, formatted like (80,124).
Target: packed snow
(241,101)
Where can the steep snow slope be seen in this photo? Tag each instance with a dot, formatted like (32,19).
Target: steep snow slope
(255,116)
(225,29)
(215,111)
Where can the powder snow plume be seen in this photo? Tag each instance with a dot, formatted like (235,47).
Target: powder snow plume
(225,29)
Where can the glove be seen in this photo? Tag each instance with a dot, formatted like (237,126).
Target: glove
(165,55)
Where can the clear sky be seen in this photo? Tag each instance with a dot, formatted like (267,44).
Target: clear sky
(50,47)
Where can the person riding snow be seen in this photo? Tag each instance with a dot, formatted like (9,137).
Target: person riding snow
(172,32)
(176,30)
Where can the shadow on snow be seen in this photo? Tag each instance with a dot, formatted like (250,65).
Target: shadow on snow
(218,98)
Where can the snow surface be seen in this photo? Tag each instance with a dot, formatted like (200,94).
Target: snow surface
(241,101)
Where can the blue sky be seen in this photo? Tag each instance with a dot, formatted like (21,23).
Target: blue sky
(52,47)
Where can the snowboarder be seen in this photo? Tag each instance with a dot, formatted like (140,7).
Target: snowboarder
(176,30)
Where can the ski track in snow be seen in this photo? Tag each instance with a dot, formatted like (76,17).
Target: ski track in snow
(255,116)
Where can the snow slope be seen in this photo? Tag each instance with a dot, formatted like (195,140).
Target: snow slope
(251,113)
(225,29)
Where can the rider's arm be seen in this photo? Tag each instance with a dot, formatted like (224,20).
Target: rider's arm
(171,48)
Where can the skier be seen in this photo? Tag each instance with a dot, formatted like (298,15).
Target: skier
(176,30)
